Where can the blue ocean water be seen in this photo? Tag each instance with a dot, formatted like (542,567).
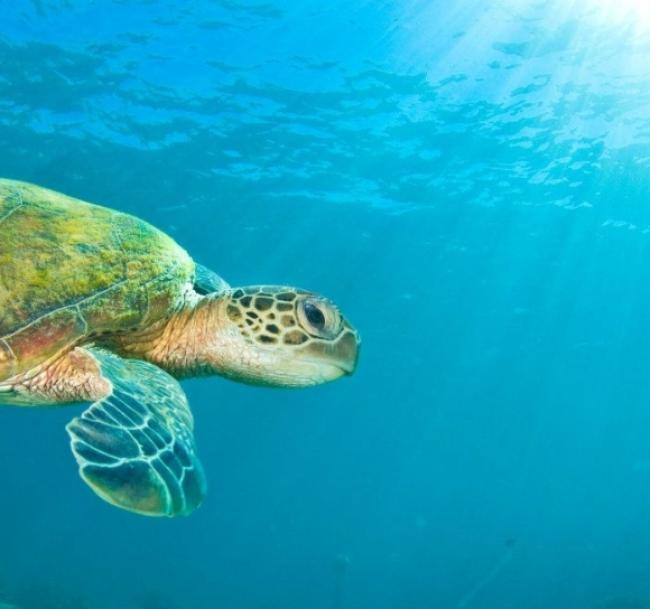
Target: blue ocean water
(470,182)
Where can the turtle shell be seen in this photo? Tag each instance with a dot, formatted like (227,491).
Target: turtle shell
(70,270)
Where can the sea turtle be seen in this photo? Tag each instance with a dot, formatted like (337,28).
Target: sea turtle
(99,306)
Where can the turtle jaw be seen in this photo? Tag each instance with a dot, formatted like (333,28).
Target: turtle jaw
(237,358)
(290,376)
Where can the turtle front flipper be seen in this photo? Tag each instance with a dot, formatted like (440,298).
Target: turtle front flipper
(135,447)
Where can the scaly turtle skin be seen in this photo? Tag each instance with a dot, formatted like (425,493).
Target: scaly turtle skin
(99,306)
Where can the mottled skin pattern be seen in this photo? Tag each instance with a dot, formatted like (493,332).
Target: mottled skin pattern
(82,270)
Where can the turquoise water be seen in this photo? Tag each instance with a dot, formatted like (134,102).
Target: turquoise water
(470,182)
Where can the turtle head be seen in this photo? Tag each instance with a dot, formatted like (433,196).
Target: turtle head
(280,336)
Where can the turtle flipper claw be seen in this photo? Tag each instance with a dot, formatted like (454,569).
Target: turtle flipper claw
(135,447)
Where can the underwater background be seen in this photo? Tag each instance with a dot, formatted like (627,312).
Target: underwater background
(470,181)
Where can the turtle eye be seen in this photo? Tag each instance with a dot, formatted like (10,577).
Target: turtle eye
(319,318)
(314,315)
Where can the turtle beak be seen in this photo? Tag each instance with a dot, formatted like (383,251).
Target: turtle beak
(340,356)
(347,350)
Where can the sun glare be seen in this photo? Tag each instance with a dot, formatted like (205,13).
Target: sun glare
(636,12)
